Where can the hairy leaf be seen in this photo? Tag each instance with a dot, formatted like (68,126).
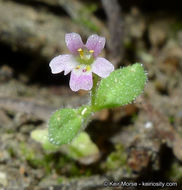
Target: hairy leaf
(121,87)
(64,125)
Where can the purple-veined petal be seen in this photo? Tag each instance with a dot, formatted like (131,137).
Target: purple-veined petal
(62,63)
(73,42)
(102,67)
(80,80)
(96,43)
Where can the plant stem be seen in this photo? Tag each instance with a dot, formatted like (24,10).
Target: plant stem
(94,89)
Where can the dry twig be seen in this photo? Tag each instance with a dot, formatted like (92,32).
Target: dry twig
(115,23)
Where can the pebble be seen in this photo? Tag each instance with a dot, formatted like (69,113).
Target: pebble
(3,179)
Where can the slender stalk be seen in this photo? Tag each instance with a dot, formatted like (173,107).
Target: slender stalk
(94,89)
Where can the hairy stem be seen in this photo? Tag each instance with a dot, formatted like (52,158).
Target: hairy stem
(94,89)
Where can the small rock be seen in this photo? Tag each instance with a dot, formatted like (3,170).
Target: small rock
(158,33)
(179,36)
(138,159)
(6,73)
(3,179)
(136,25)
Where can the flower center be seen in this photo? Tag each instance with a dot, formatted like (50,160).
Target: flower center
(85,56)
(83,68)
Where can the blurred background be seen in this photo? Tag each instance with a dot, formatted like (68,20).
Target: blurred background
(138,142)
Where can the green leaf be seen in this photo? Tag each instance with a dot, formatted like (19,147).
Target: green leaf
(41,136)
(64,125)
(82,146)
(121,87)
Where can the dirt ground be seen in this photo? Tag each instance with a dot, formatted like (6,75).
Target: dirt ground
(140,142)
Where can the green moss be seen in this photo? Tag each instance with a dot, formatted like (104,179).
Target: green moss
(11,152)
(60,180)
(176,26)
(85,15)
(116,159)
(36,159)
(175,172)
(171,119)
(134,117)
(87,24)
(27,152)
(91,8)
(71,168)
(53,161)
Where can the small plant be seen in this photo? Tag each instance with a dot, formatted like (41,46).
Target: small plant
(108,88)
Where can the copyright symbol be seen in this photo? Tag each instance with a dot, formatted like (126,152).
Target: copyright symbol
(106,183)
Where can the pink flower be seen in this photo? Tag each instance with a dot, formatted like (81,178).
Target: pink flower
(83,61)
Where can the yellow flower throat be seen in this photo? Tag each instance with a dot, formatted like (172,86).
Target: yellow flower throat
(85,58)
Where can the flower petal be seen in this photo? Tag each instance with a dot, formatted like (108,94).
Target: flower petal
(80,80)
(96,43)
(102,67)
(62,63)
(73,42)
